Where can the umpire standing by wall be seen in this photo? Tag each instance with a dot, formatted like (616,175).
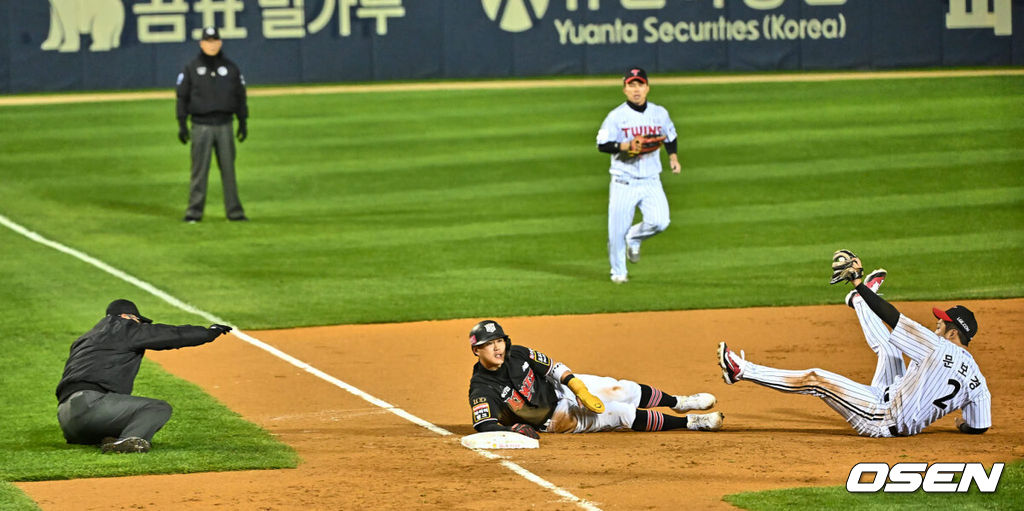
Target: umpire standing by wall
(94,395)
(211,89)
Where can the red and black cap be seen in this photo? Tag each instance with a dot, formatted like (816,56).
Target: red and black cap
(122,306)
(634,73)
(961,317)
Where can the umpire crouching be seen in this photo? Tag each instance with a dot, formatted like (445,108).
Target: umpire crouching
(94,395)
(211,89)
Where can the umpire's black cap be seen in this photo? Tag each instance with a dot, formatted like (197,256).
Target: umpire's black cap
(634,73)
(211,34)
(961,317)
(122,306)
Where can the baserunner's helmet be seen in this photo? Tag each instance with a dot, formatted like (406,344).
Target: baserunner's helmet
(487,331)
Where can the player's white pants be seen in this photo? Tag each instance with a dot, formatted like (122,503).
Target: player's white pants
(890,365)
(620,397)
(863,406)
(624,195)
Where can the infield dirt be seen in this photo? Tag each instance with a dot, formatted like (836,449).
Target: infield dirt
(359,456)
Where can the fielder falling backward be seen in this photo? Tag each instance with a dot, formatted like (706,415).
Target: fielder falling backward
(901,401)
(518,389)
(632,133)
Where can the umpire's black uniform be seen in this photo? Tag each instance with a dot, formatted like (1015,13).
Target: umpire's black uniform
(211,89)
(94,395)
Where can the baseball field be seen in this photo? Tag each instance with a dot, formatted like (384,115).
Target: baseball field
(387,221)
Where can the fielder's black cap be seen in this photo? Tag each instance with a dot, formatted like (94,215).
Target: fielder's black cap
(122,306)
(486,331)
(210,33)
(961,317)
(634,73)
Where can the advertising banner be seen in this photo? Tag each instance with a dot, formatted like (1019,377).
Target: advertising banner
(55,45)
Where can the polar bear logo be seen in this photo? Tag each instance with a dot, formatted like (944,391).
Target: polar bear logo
(69,19)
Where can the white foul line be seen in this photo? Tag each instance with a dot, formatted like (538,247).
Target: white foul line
(153,290)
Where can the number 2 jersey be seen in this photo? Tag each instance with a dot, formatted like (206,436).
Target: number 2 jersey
(518,391)
(943,377)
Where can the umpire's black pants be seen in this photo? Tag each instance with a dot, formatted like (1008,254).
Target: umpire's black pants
(87,416)
(207,139)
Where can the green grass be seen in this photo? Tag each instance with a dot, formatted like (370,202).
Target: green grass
(379,207)
(1006,496)
(12,499)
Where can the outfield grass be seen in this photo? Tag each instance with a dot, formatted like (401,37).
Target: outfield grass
(373,207)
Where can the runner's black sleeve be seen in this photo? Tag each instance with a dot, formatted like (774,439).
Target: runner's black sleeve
(879,306)
(491,426)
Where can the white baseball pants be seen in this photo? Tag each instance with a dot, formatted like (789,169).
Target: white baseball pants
(890,365)
(624,196)
(620,397)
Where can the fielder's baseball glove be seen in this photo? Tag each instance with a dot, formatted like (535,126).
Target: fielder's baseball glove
(525,429)
(845,267)
(645,144)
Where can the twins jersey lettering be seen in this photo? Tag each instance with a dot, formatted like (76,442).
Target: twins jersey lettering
(634,181)
(622,124)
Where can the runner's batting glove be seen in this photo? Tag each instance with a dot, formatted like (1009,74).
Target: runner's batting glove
(526,430)
(584,396)
(846,267)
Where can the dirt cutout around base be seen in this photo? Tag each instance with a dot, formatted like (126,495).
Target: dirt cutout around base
(358,456)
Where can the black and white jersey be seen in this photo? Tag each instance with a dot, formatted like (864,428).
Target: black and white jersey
(944,378)
(518,391)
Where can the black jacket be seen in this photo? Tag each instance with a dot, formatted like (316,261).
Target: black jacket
(211,90)
(107,358)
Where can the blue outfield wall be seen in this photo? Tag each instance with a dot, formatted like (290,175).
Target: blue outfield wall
(57,45)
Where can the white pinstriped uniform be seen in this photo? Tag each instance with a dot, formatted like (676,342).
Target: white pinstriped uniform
(635,181)
(942,377)
(890,363)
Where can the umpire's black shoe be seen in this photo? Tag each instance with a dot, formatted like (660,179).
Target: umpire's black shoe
(126,445)
(242,218)
(191,219)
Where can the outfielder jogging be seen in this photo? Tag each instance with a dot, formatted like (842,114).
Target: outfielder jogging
(632,133)
(901,401)
(518,389)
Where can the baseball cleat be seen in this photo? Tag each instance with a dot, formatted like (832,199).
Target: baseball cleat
(875,278)
(620,279)
(633,254)
(705,421)
(732,366)
(701,401)
(126,445)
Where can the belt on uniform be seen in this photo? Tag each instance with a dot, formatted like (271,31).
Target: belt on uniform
(621,181)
